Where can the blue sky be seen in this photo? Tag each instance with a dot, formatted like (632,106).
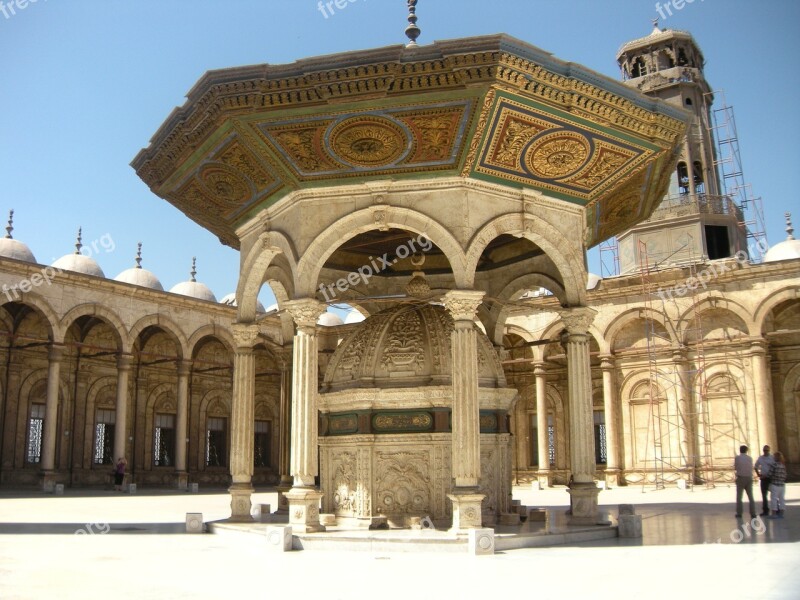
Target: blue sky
(84,84)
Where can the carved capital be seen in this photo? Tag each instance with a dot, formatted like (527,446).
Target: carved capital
(124,362)
(540,369)
(55,353)
(607,362)
(305,312)
(463,304)
(245,335)
(184,368)
(577,320)
(759,346)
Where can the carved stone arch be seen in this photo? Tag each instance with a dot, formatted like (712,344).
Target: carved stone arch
(168,326)
(108,316)
(716,302)
(282,295)
(254,267)
(219,333)
(789,406)
(49,316)
(564,256)
(326,243)
(101,394)
(774,299)
(33,387)
(622,320)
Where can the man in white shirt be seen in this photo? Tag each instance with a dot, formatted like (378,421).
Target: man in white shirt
(763,467)
(743,465)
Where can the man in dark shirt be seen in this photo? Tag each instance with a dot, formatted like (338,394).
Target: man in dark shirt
(743,465)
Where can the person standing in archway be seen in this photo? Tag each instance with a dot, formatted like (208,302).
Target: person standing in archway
(763,468)
(119,473)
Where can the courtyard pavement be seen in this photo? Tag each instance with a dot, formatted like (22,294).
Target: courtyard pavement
(134,546)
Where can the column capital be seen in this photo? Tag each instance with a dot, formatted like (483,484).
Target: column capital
(184,367)
(124,361)
(245,335)
(577,320)
(679,355)
(55,352)
(607,362)
(463,304)
(305,312)
(284,357)
(759,346)
(540,369)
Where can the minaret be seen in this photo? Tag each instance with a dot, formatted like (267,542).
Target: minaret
(694,222)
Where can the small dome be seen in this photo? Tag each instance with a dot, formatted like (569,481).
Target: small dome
(193,288)
(592,281)
(354,316)
(786,250)
(139,276)
(329,319)
(402,346)
(79,262)
(11,248)
(271,308)
(230,300)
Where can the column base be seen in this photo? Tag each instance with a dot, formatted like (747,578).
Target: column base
(48,482)
(182,480)
(612,478)
(240,502)
(466,510)
(283,502)
(583,500)
(544,479)
(304,510)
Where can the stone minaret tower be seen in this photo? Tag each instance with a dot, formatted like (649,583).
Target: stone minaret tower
(695,222)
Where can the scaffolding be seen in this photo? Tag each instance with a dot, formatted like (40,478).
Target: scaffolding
(728,164)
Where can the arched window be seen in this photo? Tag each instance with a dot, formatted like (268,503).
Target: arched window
(104,425)
(33,454)
(217,435)
(164,431)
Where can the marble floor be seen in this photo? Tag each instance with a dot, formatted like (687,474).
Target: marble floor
(134,547)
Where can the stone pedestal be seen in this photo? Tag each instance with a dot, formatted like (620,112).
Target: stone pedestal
(466,510)
(304,510)
(283,502)
(481,541)
(240,502)
(584,504)
(49,482)
(182,480)
(612,478)
(630,526)
(543,480)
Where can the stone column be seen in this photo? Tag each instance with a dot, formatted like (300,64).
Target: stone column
(304,497)
(466,434)
(765,408)
(686,432)
(542,438)
(581,423)
(181,424)
(245,336)
(54,358)
(285,432)
(121,425)
(610,409)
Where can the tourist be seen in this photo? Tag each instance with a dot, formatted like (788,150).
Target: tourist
(777,488)
(763,467)
(119,473)
(743,465)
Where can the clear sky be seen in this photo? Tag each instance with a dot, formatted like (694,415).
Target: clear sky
(84,84)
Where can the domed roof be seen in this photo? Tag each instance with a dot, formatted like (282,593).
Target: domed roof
(403,346)
(79,262)
(230,300)
(592,281)
(139,276)
(329,319)
(786,250)
(11,248)
(193,288)
(354,316)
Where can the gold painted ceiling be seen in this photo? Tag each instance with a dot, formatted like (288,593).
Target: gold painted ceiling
(491,108)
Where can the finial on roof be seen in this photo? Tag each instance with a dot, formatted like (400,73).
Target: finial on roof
(10,226)
(139,255)
(656,28)
(789,228)
(412,31)
(193,272)
(78,242)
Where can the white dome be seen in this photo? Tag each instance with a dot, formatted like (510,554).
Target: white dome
(329,319)
(592,281)
(354,316)
(194,289)
(11,248)
(79,263)
(272,308)
(786,250)
(230,300)
(140,277)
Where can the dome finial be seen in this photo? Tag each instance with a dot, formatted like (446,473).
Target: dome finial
(139,255)
(10,226)
(412,31)
(789,228)
(193,272)
(78,242)
(655,26)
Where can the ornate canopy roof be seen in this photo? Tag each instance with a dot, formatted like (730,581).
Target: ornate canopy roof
(492,108)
